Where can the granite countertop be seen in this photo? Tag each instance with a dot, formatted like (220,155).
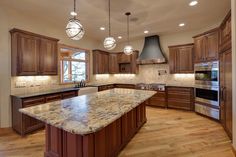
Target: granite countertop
(26,95)
(89,113)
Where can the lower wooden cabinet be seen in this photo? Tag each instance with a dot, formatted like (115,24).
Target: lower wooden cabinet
(180,98)
(24,124)
(111,86)
(158,100)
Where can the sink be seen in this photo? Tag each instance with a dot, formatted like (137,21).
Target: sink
(88,90)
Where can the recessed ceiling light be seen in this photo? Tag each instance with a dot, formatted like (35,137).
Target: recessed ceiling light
(119,37)
(102,28)
(182,24)
(193,3)
(146,32)
(73,13)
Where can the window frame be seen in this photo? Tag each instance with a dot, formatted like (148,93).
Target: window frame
(70,59)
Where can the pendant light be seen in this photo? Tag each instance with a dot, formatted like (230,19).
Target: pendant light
(109,42)
(128,50)
(74,28)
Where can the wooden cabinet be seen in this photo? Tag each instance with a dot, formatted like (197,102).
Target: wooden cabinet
(226,91)
(100,62)
(181,58)
(31,124)
(226,113)
(114,63)
(33,54)
(206,46)
(128,86)
(158,100)
(48,57)
(105,87)
(225,33)
(24,124)
(180,98)
(123,58)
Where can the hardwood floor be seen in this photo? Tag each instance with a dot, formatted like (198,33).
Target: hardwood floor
(167,133)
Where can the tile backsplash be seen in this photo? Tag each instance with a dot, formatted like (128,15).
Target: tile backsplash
(147,74)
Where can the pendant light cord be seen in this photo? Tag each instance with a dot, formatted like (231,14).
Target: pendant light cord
(109,6)
(128,28)
(128,14)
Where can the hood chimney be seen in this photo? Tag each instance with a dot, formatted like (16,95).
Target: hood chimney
(152,52)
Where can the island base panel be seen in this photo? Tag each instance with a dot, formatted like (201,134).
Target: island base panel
(107,142)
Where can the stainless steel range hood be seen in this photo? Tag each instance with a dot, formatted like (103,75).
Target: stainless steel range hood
(152,52)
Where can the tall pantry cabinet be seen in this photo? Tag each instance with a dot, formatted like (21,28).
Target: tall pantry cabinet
(226,75)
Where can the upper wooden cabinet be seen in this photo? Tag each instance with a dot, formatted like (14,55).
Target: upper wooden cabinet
(206,46)
(33,54)
(181,58)
(114,63)
(100,62)
(225,33)
(48,57)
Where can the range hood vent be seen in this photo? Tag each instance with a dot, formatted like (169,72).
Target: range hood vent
(152,52)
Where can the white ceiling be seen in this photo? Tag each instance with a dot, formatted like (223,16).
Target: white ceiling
(157,16)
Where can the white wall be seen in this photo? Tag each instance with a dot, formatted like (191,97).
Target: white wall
(9,19)
(233,9)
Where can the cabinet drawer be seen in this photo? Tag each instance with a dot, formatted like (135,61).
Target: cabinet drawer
(53,97)
(33,101)
(67,95)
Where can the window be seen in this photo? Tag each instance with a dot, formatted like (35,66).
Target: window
(74,63)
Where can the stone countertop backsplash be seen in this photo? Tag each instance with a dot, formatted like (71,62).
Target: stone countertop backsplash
(89,113)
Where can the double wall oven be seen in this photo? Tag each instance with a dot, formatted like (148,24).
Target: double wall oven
(207,89)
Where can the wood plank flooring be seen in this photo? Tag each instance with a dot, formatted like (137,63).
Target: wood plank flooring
(167,133)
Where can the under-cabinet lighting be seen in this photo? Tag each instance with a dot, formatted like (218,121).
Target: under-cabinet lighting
(184,76)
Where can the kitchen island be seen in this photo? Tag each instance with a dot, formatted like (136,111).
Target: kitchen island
(93,125)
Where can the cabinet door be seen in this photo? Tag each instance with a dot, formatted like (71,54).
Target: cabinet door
(53,97)
(185,60)
(113,64)
(212,46)
(173,60)
(180,98)
(123,58)
(226,91)
(48,57)
(159,99)
(199,49)
(134,65)
(28,53)
(31,124)
(100,62)
(225,34)
(71,94)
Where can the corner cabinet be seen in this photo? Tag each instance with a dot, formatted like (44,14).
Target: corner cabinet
(206,46)
(181,58)
(114,63)
(33,54)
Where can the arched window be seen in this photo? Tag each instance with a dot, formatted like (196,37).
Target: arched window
(74,64)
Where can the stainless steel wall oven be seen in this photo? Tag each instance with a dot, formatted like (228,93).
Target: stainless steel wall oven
(207,89)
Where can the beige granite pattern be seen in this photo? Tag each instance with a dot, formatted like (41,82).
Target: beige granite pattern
(89,113)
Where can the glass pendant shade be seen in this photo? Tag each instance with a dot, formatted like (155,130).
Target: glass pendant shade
(128,50)
(109,43)
(74,29)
